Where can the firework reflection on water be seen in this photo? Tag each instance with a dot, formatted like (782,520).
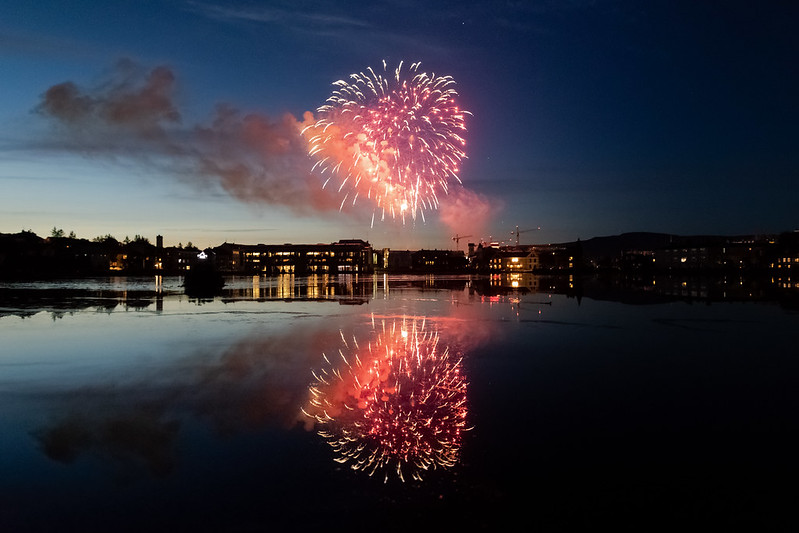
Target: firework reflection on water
(395,404)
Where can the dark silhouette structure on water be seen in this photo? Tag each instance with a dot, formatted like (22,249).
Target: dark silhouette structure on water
(204,279)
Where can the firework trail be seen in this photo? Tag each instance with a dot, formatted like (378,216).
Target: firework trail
(397,403)
(394,138)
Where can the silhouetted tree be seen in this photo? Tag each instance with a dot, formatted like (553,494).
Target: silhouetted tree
(57,232)
(107,238)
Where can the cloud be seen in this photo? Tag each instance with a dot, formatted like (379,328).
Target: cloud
(222,230)
(467,212)
(137,100)
(133,114)
(320,23)
(287,17)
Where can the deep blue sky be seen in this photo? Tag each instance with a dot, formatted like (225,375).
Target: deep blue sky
(590,117)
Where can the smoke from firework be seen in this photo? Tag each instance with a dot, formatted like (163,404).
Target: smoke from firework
(468,213)
(133,114)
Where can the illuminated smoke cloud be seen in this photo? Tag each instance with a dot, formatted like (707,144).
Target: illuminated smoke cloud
(466,212)
(132,114)
(260,160)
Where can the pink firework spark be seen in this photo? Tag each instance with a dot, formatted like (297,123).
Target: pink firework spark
(395,139)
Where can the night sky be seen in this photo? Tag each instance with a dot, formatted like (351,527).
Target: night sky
(589,118)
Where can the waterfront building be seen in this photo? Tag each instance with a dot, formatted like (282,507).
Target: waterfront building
(344,256)
(534,258)
(515,259)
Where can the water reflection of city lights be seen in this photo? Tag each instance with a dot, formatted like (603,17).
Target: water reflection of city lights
(396,404)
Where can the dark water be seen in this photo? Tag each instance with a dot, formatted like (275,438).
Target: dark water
(127,406)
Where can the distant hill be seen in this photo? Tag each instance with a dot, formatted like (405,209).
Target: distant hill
(609,247)
(612,246)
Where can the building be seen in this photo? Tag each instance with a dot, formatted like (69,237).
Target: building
(438,261)
(715,253)
(534,258)
(425,261)
(515,259)
(344,256)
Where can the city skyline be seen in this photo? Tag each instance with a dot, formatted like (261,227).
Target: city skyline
(588,118)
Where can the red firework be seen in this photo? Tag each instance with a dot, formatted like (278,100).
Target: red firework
(397,140)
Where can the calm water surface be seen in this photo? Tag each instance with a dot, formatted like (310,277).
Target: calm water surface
(126,405)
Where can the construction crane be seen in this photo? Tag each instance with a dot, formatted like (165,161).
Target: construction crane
(517,232)
(457,238)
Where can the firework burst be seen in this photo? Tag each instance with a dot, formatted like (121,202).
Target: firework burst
(397,404)
(394,138)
